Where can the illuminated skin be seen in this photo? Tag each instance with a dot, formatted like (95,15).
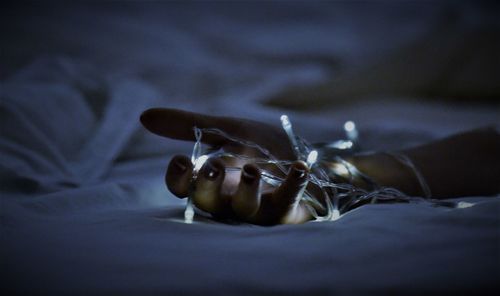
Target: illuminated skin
(241,196)
(233,195)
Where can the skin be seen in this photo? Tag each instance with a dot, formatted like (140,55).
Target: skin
(465,164)
(242,197)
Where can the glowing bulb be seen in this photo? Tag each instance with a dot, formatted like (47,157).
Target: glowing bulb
(341,144)
(349,126)
(351,131)
(285,121)
(464,205)
(200,162)
(189,213)
(287,126)
(340,169)
(335,215)
(312,158)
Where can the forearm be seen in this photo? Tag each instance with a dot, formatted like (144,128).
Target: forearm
(462,165)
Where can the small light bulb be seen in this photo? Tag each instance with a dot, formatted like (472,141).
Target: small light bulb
(287,126)
(312,158)
(335,215)
(188,214)
(464,205)
(285,121)
(351,131)
(349,126)
(339,169)
(199,162)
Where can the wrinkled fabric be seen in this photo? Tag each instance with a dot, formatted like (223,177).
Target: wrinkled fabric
(84,208)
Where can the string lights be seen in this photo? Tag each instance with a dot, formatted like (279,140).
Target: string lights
(326,164)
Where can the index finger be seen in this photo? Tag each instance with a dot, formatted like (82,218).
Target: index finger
(179,124)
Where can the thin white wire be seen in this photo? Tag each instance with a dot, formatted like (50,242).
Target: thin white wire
(405,160)
(338,198)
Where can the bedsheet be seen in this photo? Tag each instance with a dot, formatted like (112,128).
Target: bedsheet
(84,209)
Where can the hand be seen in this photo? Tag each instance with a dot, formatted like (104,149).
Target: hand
(234,195)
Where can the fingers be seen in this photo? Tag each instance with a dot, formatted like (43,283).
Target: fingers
(285,199)
(179,174)
(206,194)
(249,202)
(245,202)
(178,124)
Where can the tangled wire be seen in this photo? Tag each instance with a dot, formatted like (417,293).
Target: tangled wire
(338,197)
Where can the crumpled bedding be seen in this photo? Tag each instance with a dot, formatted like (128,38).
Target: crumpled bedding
(84,209)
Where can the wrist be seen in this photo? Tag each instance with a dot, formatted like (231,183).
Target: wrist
(387,171)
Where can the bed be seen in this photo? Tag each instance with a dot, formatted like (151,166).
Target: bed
(84,209)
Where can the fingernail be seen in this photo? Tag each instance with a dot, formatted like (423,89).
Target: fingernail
(248,174)
(211,172)
(180,166)
(297,172)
